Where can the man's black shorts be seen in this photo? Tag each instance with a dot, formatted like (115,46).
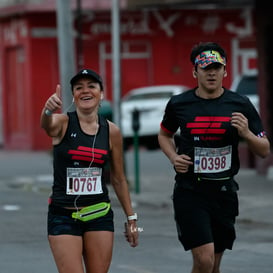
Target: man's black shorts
(203,217)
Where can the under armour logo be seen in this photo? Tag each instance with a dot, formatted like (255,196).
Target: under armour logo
(73,135)
(84,71)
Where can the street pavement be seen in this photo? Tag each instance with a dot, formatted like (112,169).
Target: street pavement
(25,172)
(33,169)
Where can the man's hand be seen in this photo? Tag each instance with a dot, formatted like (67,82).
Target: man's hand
(240,122)
(181,163)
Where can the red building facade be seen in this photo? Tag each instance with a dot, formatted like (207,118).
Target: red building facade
(155,48)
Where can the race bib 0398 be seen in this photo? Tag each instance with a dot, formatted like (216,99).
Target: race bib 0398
(212,160)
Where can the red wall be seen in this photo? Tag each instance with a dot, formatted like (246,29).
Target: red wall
(155,48)
(14,84)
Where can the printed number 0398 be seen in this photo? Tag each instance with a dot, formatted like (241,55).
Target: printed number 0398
(213,163)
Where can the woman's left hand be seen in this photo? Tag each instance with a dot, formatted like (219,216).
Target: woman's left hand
(131,233)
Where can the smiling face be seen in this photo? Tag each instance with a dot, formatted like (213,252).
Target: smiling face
(87,94)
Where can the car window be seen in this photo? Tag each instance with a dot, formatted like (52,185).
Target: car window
(159,95)
(248,85)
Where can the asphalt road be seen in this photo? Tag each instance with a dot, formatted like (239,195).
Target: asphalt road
(24,246)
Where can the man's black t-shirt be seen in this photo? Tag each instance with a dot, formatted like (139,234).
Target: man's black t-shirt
(206,134)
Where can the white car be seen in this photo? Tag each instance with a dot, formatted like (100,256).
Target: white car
(150,101)
(247,85)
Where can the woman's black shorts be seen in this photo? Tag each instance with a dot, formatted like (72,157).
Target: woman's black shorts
(203,218)
(59,221)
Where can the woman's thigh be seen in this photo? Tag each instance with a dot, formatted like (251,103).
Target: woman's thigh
(67,253)
(98,248)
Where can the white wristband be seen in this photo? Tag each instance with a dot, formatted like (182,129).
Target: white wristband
(132,217)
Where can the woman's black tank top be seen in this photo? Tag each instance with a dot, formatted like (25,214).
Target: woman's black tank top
(80,150)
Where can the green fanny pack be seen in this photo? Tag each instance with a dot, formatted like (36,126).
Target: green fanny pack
(92,212)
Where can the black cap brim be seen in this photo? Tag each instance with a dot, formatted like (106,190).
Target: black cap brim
(87,73)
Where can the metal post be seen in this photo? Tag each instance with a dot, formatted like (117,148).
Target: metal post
(79,36)
(136,153)
(65,49)
(116,61)
(136,127)
(116,70)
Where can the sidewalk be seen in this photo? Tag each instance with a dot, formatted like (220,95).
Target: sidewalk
(255,197)
(33,171)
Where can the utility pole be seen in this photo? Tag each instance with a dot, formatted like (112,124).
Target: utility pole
(116,70)
(116,74)
(66,50)
(79,36)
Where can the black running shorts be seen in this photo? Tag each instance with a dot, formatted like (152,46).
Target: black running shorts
(59,221)
(205,217)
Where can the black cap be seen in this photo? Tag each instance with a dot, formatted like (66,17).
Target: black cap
(87,73)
